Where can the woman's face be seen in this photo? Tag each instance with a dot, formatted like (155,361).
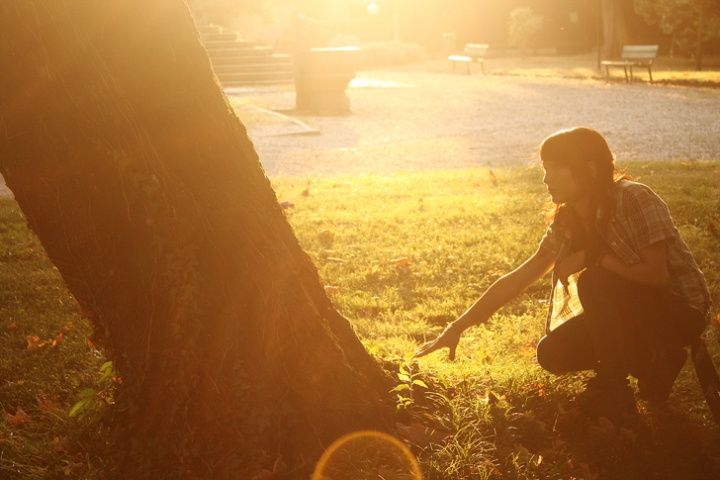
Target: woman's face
(561,183)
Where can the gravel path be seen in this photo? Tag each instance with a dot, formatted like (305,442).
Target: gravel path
(411,121)
(406,121)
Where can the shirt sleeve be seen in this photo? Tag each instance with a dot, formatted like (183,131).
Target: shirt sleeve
(552,240)
(648,217)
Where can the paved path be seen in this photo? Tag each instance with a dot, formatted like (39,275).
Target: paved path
(407,121)
(411,121)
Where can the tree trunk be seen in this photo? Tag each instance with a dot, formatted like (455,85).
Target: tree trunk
(699,42)
(146,192)
(614,28)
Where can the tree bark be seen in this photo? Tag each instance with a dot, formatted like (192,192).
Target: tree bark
(146,192)
(699,42)
(614,28)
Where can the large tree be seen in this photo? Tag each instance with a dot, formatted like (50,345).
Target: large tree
(145,190)
(690,22)
(614,28)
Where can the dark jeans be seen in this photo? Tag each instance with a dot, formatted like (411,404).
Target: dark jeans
(624,328)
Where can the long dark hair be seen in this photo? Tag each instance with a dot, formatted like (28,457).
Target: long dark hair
(576,148)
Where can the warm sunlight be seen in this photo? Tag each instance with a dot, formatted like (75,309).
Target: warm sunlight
(359,239)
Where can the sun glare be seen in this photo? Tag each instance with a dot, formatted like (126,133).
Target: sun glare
(367,454)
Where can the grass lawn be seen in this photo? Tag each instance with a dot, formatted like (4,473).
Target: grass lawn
(402,255)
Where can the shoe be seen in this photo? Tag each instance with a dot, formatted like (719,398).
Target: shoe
(657,384)
(613,399)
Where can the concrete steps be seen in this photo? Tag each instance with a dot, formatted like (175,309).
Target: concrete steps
(241,62)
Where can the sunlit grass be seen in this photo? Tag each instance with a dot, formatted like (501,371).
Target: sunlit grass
(406,254)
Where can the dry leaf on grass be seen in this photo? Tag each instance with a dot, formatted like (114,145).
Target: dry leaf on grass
(492,177)
(19,418)
(399,262)
(45,403)
(33,343)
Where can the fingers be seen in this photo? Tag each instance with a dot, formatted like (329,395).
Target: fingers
(426,349)
(451,353)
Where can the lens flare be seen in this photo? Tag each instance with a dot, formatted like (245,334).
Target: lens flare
(367,454)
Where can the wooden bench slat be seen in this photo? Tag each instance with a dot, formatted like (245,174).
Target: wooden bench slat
(473,52)
(640,56)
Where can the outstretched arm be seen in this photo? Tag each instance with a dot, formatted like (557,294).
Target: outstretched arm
(499,293)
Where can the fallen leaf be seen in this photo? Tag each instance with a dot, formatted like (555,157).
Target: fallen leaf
(57,340)
(287,204)
(712,229)
(91,345)
(492,177)
(34,343)
(306,192)
(330,290)
(45,403)
(12,327)
(399,262)
(716,322)
(19,417)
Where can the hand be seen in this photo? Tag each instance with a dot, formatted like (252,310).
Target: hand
(450,337)
(567,266)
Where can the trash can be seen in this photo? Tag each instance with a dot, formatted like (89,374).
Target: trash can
(321,77)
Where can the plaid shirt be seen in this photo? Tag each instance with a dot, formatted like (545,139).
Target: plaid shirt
(640,219)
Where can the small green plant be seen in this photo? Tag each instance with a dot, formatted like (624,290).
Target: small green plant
(93,400)
(408,375)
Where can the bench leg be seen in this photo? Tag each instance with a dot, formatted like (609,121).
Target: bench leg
(607,74)
(627,79)
(482,66)
(468,67)
(650,75)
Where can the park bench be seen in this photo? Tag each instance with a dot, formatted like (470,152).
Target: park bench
(633,56)
(473,53)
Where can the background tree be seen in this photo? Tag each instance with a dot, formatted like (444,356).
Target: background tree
(523,25)
(145,190)
(613,27)
(690,22)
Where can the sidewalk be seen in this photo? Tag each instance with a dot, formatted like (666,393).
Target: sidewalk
(405,121)
(410,121)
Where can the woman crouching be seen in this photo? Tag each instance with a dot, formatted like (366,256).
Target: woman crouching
(627,295)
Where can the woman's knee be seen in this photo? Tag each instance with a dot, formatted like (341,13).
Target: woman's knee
(549,358)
